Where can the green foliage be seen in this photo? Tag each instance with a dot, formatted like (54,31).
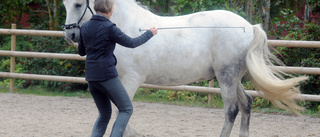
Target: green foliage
(261,103)
(53,66)
(306,57)
(314,6)
(5,65)
(294,56)
(44,66)
(311,86)
(182,7)
(180,97)
(287,21)
(39,18)
(43,91)
(246,83)
(12,10)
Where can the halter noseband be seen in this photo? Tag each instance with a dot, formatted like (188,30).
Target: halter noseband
(76,25)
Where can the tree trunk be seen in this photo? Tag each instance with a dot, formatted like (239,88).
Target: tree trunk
(50,16)
(307,12)
(249,10)
(167,6)
(55,14)
(20,15)
(266,16)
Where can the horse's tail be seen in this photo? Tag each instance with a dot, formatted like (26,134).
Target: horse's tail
(267,78)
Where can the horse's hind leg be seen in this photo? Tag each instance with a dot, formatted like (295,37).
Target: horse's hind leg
(228,84)
(245,102)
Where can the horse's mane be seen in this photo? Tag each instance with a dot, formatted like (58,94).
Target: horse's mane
(141,5)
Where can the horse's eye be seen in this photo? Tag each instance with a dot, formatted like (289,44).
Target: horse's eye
(77,5)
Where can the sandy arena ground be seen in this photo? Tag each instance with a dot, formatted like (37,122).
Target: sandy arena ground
(40,116)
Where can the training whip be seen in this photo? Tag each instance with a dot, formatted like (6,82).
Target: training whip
(244,29)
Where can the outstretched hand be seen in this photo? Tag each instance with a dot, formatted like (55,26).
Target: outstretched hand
(154,30)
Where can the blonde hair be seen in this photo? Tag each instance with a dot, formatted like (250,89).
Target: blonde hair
(103,6)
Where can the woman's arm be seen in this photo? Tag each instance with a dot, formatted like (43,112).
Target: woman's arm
(119,37)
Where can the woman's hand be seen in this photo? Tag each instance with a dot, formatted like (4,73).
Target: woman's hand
(154,30)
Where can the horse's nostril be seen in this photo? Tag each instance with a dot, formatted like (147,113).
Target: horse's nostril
(73,36)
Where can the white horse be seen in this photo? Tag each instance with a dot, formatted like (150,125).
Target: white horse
(182,56)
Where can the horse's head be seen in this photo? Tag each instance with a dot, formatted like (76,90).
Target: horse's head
(78,12)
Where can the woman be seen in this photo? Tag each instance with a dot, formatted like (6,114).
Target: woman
(98,39)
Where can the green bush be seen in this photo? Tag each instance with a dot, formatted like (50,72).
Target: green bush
(306,57)
(45,66)
(183,7)
(311,86)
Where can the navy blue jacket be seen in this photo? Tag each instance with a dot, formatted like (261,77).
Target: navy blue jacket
(98,38)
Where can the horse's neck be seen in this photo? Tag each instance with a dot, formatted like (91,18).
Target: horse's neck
(91,5)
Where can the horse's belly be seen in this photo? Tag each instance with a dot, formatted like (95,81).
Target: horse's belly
(175,75)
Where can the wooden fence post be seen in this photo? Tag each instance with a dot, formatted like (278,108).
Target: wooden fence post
(210,95)
(12,59)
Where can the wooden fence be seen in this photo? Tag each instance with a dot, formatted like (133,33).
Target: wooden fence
(13,32)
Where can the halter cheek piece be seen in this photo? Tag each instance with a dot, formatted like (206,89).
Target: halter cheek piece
(76,25)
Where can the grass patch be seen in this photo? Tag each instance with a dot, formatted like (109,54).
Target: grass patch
(277,111)
(41,91)
(3,88)
(153,99)
(180,98)
(260,105)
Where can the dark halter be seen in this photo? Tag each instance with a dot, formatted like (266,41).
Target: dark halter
(76,25)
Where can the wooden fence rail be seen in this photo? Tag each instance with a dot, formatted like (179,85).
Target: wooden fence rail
(32,32)
(302,70)
(275,43)
(210,90)
(41,55)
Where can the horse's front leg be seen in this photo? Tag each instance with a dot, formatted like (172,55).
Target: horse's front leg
(131,82)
